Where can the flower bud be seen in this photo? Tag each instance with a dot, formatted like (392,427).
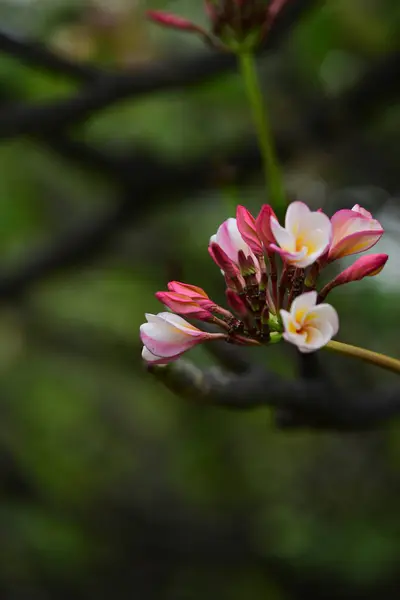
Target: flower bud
(236,303)
(183,305)
(365,266)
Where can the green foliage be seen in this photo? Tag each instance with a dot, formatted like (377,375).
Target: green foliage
(99,445)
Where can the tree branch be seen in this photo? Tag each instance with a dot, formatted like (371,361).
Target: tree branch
(110,88)
(314,404)
(37,55)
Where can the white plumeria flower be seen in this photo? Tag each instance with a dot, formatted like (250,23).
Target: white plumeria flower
(305,237)
(309,326)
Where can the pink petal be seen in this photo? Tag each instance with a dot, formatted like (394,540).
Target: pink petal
(183,305)
(247,228)
(354,243)
(152,359)
(365,266)
(173,21)
(263,225)
(362,211)
(223,261)
(185,288)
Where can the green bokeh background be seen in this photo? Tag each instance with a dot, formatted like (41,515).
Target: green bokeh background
(110,486)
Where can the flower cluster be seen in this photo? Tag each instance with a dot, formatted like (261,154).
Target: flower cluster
(234,24)
(271,274)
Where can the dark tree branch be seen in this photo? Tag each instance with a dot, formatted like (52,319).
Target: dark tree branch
(90,236)
(39,56)
(305,403)
(108,89)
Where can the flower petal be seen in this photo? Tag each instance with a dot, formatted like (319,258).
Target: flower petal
(156,360)
(263,225)
(283,237)
(297,216)
(354,243)
(321,314)
(246,224)
(302,305)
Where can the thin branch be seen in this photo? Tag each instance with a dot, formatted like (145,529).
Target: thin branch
(38,55)
(168,74)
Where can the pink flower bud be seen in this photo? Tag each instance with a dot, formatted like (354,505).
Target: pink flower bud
(236,303)
(263,225)
(173,21)
(246,224)
(166,336)
(185,288)
(194,292)
(183,305)
(365,266)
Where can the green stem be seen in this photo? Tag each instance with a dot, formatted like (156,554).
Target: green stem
(375,358)
(270,163)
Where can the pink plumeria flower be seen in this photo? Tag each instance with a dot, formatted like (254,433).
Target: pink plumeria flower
(230,241)
(353,231)
(309,326)
(166,336)
(305,237)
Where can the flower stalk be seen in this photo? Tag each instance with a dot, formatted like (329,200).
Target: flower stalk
(267,147)
(374,358)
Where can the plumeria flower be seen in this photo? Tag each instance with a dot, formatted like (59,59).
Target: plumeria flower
(307,325)
(353,231)
(167,336)
(305,237)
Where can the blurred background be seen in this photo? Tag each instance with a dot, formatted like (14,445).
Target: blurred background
(110,486)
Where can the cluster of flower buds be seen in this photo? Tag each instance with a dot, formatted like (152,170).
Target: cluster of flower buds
(235,25)
(271,274)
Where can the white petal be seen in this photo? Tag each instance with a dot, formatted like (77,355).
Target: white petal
(296,217)
(302,305)
(152,358)
(324,313)
(314,342)
(181,324)
(288,322)
(303,259)
(318,221)
(162,332)
(151,318)
(283,237)
(213,239)
(298,339)
(236,237)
